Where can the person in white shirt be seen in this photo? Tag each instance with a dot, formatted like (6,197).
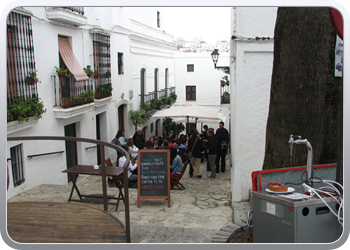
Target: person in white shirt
(132,177)
(133,150)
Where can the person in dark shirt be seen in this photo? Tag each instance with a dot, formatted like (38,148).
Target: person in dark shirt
(139,140)
(223,142)
(195,145)
(211,151)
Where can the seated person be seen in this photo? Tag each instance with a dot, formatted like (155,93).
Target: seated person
(132,177)
(175,163)
(133,150)
(182,150)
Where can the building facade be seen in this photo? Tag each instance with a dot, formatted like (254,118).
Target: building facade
(128,53)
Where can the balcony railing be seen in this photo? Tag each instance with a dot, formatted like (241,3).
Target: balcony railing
(79,10)
(148,101)
(225,94)
(70,94)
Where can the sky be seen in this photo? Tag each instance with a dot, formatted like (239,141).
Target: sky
(210,23)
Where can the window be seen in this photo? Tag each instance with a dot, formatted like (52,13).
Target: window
(158,19)
(120,64)
(166,78)
(190,68)
(152,127)
(155,83)
(20,57)
(17,165)
(102,57)
(142,83)
(190,93)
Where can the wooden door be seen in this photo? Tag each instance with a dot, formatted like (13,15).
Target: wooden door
(71,148)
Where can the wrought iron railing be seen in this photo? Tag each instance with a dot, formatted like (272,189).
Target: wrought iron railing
(225,94)
(69,93)
(102,146)
(79,10)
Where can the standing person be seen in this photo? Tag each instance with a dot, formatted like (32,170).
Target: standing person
(223,142)
(211,151)
(139,140)
(117,141)
(195,146)
(120,137)
(205,138)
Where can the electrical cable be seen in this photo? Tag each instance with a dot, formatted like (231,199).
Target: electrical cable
(338,214)
(250,212)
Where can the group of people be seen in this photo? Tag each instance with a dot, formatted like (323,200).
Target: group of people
(196,147)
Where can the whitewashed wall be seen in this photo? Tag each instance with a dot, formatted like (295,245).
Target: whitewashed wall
(206,79)
(251,71)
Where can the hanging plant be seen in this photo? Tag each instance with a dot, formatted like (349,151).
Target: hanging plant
(88,70)
(62,73)
(32,78)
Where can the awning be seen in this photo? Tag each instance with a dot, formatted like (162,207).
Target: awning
(191,111)
(70,61)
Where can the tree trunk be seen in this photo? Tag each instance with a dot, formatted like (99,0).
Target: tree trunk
(305,95)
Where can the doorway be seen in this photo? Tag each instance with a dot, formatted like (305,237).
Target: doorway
(98,137)
(71,148)
(121,117)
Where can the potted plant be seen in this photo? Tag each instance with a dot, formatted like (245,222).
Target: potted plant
(88,70)
(62,73)
(66,102)
(31,78)
(108,74)
(22,109)
(156,103)
(225,81)
(174,96)
(90,94)
(95,73)
(144,106)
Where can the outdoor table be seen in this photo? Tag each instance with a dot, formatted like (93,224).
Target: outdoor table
(114,172)
(62,222)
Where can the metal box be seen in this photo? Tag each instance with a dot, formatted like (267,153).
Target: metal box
(279,220)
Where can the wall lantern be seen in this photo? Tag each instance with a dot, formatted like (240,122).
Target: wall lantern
(215,56)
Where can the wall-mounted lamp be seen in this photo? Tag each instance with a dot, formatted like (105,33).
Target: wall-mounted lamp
(215,56)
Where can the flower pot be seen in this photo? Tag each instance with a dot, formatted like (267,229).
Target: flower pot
(62,76)
(30,81)
(96,76)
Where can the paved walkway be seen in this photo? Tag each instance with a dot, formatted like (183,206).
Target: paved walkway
(202,213)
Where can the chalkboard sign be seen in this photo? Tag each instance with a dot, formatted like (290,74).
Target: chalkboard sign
(153,174)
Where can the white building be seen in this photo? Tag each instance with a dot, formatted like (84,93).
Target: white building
(127,42)
(143,61)
(251,72)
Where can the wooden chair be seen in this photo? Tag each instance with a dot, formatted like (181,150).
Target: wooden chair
(175,181)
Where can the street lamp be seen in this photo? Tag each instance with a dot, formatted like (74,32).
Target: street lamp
(215,56)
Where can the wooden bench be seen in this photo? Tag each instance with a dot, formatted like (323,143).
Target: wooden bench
(175,181)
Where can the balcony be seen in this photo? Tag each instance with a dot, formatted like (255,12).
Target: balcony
(67,15)
(158,100)
(225,94)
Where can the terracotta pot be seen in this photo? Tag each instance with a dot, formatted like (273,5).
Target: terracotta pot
(30,81)
(62,76)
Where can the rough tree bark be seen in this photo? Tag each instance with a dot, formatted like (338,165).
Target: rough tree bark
(305,95)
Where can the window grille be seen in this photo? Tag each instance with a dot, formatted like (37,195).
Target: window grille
(120,64)
(20,57)
(102,57)
(190,93)
(17,165)
(158,19)
(190,68)
(79,10)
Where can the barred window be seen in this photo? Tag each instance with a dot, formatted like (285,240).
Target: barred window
(190,68)
(102,59)
(190,93)
(20,57)
(120,64)
(17,165)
